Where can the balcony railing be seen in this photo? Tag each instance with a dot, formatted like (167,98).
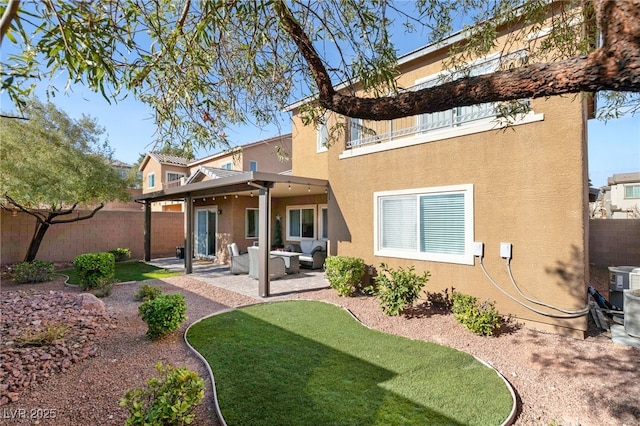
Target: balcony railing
(365,132)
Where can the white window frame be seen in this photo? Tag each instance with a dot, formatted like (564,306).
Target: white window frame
(227,166)
(179,174)
(632,197)
(466,258)
(322,135)
(311,207)
(246,224)
(323,209)
(151,179)
(253,166)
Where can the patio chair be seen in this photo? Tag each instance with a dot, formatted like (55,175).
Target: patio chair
(239,263)
(277,267)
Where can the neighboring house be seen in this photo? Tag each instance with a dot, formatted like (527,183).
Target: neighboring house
(161,171)
(620,199)
(424,191)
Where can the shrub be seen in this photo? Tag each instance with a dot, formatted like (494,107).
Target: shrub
(163,314)
(168,400)
(92,267)
(344,274)
(121,254)
(103,287)
(398,288)
(147,292)
(480,318)
(33,272)
(31,337)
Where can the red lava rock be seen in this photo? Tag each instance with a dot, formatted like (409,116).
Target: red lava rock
(84,316)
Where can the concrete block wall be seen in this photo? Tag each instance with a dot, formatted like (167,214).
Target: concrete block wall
(105,231)
(614,242)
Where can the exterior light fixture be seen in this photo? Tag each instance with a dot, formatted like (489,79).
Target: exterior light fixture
(251,193)
(289,187)
(308,189)
(14,212)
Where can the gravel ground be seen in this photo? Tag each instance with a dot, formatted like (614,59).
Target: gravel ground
(558,380)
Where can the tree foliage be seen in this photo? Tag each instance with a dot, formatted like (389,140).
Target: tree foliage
(51,165)
(204,65)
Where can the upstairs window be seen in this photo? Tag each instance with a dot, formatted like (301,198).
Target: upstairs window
(151,180)
(173,176)
(322,136)
(632,191)
(253,166)
(226,166)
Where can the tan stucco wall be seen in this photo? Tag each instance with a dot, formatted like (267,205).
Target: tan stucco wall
(529,190)
(307,161)
(266,156)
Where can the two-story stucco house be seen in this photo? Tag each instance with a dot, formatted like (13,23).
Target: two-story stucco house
(483,207)
(620,199)
(161,171)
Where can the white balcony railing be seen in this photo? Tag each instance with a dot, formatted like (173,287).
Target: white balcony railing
(365,132)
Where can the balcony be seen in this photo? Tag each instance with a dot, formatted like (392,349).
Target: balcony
(366,132)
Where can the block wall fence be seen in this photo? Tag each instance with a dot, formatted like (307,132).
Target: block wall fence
(105,231)
(612,242)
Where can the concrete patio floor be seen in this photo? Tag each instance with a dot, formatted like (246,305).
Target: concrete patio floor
(219,276)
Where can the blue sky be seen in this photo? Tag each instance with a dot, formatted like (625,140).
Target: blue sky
(614,146)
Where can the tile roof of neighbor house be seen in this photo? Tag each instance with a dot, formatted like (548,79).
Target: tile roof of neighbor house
(212,173)
(624,178)
(169,159)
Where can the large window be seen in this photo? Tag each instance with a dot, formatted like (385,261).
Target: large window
(301,222)
(426,224)
(173,176)
(251,223)
(632,191)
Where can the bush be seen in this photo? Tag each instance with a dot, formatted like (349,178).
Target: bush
(33,272)
(168,400)
(163,314)
(103,287)
(121,254)
(92,267)
(397,289)
(344,274)
(479,318)
(147,292)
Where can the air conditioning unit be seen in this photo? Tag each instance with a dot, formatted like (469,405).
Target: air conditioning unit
(634,279)
(619,280)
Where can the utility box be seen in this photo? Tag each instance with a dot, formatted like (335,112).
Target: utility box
(619,281)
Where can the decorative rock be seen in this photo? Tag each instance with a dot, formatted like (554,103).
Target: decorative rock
(89,302)
(20,367)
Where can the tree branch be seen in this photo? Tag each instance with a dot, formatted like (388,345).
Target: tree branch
(614,66)
(8,16)
(39,217)
(79,218)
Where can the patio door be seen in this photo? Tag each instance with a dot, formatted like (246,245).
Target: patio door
(205,232)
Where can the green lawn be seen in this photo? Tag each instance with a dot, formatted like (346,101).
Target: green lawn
(129,271)
(311,363)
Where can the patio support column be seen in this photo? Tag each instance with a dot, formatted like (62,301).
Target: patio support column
(147,231)
(188,237)
(264,240)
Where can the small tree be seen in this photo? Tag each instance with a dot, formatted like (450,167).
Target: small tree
(51,165)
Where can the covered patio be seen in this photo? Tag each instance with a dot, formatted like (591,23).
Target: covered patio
(219,276)
(265,186)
